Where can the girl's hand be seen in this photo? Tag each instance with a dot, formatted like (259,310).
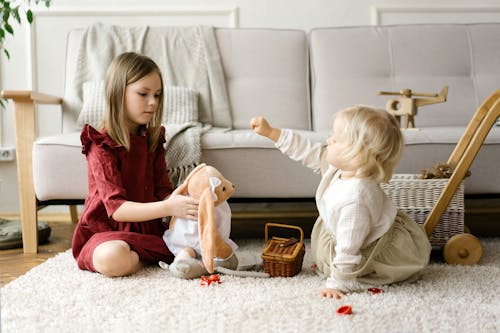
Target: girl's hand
(332,293)
(261,126)
(181,205)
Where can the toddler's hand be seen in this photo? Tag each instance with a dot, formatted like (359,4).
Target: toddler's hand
(260,126)
(332,293)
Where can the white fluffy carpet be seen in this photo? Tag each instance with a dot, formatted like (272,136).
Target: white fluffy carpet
(57,297)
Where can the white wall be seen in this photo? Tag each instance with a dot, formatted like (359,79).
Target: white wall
(37,52)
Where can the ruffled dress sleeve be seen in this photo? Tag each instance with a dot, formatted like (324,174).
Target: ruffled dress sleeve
(90,135)
(105,180)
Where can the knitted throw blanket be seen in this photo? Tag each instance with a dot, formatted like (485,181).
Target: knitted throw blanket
(187,57)
(182,133)
(183,150)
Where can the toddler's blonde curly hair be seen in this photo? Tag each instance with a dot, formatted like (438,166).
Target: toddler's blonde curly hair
(374,140)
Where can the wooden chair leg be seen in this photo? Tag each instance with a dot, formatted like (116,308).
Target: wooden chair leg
(73,212)
(25,123)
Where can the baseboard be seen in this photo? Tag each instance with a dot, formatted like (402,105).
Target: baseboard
(482,216)
(52,217)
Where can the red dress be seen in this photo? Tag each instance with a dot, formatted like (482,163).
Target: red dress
(116,175)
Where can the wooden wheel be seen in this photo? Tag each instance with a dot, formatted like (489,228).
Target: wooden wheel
(463,249)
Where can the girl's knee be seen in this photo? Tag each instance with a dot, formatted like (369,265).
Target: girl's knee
(115,258)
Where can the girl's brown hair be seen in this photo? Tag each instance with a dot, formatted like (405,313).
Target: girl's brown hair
(125,69)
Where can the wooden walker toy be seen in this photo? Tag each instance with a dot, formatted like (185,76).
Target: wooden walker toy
(464,248)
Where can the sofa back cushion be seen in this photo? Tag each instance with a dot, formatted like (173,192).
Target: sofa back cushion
(267,73)
(350,65)
(70,117)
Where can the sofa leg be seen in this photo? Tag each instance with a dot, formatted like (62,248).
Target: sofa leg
(29,226)
(73,212)
(25,123)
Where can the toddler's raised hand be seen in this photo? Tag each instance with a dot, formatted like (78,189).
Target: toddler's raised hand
(261,126)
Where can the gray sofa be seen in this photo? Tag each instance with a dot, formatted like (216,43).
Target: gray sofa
(298,80)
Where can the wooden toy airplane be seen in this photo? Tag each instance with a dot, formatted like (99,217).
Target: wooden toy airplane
(407,105)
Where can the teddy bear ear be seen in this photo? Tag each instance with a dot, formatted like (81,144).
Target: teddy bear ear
(194,171)
(207,229)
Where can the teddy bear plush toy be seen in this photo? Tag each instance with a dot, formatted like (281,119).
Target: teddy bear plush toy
(202,246)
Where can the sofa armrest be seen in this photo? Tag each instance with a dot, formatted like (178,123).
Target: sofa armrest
(28,95)
(24,123)
(24,119)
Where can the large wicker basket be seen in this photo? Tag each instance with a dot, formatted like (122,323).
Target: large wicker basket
(417,197)
(283,256)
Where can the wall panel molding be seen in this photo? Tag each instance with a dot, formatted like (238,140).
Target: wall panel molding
(399,14)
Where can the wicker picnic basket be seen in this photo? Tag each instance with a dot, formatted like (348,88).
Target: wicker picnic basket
(283,256)
(417,197)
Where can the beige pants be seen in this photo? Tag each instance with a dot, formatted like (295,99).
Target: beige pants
(397,256)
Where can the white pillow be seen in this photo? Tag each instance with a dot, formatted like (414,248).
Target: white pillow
(94,104)
(180,104)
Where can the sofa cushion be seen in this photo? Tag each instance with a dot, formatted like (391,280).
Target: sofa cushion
(218,138)
(256,167)
(267,73)
(246,158)
(61,168)
(424,58)
(263,173)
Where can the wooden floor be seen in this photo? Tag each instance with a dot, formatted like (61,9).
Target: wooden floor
(14,262)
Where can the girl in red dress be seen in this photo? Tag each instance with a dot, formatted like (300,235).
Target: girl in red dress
(121,225)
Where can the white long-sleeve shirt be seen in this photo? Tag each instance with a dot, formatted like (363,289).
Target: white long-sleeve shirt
(355,211)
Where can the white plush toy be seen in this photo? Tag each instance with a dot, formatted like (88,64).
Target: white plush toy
(203,246)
